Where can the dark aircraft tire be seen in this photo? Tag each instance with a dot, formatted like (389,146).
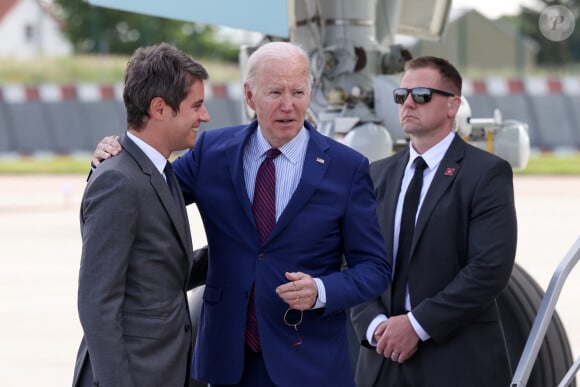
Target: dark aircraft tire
(519,304)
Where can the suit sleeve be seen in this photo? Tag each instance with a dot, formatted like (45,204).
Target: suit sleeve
(491,244)
(108,222)
(185,168)
(369,272)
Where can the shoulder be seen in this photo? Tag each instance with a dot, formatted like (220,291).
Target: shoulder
(225,131)
(116,171)
(219,138)
(379,167)
(482,159)
(336,148)
(218,134)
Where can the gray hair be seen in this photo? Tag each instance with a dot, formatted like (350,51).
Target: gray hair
(274,50)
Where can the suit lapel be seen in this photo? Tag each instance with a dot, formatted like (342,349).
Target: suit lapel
(235,156)
(316,162)
(444,176)
(162,189)
(391,197)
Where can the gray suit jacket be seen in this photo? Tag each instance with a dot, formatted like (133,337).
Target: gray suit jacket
(135,270)
(461,259)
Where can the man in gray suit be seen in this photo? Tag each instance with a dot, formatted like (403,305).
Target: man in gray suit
(137,258)
(438,324)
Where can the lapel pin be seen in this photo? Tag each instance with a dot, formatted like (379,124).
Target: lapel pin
(319,160)
(449,171)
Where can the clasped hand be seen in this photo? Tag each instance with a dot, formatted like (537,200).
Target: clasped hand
(396,339)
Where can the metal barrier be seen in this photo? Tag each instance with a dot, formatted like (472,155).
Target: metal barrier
(65,119)
(547,105)
(542,321)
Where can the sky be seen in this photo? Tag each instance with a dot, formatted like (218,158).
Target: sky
(495,8)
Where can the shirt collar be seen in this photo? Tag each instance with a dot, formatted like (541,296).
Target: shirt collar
(291,150)
(153,154)
(435,154)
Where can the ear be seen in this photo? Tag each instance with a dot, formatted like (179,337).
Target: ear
(249,96)
(453,104)
(157,108)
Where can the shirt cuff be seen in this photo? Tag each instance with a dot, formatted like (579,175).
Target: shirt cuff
(424,336)
(321,299)
(373,327)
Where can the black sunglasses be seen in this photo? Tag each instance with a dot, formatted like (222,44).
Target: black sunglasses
(419,94)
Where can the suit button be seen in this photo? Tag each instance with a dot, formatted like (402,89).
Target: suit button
(261,257)
(187,327)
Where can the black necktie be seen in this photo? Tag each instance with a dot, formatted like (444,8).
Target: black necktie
(264,208)
(406,237)
(174,188)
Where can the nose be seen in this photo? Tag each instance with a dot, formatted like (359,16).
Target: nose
(409,101)
(204,115)
(286,102)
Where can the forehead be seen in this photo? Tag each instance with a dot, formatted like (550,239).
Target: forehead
(196,90)
(422,77)
(292,71)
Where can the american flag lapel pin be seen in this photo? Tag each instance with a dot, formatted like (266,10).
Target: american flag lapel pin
(449,171)
(319,160)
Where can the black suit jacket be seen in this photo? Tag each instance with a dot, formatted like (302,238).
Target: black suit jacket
(461,259)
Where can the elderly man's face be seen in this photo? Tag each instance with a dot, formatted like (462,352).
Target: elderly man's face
(280,98)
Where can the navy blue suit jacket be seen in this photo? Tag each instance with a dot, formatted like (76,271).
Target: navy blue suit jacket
(331,214)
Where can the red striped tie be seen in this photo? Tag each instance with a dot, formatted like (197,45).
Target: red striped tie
(264,208)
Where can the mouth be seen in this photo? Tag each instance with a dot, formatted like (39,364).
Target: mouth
(285,122)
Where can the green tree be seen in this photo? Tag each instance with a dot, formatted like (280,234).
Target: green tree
(551,53)
(100,30)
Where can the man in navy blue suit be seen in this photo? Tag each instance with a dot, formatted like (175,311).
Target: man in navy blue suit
(325,210)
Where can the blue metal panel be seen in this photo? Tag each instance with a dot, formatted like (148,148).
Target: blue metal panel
(266,16)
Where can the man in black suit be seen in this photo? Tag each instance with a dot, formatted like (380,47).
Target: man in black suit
(441,326)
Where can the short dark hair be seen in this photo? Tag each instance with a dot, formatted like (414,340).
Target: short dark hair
(158,71)
(448,72)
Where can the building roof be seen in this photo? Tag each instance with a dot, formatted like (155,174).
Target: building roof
(458,13)
(6,6)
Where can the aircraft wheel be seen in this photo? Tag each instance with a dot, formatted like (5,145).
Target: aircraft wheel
(519,304)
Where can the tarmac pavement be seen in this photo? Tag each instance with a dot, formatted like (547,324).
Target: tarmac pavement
(40,249)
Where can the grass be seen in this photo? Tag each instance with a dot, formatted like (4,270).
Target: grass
(110,69)
(540,164)
(88,68)
(45,165)
(552,164)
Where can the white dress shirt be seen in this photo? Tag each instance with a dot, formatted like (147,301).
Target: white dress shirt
(433,158)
